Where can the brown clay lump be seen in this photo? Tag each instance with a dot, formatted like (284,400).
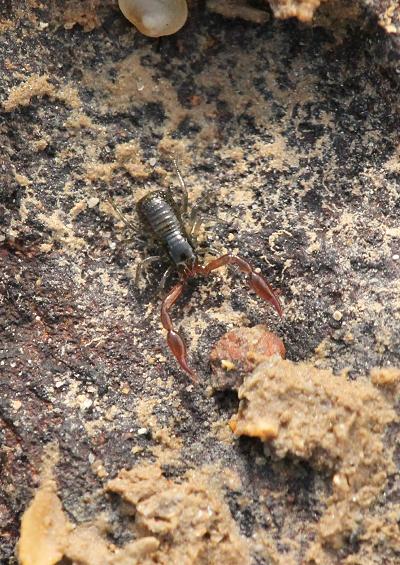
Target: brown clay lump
(337,425)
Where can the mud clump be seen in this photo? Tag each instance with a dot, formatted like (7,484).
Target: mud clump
(336,424)
(170,522)
(301,9)
(238,352)
(190,514)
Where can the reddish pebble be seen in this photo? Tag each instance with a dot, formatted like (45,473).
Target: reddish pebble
(238,352)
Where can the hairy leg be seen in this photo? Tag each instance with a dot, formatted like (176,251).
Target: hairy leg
(143,265)
(128,223)
(165,276)
(185,197)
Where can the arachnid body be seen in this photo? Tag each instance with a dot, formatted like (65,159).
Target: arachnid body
(163,217)
(159,211)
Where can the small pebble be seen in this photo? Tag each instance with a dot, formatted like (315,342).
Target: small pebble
(16,404)
(155,18)
(142,431)
(92,202)
(337,315)
(87,403)
(395,257)
(227,365)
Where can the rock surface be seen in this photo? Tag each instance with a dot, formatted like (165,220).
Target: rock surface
(287,136)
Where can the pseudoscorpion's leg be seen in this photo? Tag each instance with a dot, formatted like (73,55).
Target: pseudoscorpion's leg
(174,340)
(185,197)
(194,223)
(256,281)
(165,276)
(128,223)
(143,265)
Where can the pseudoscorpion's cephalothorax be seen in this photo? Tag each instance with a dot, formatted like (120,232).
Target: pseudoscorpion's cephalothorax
(163,217)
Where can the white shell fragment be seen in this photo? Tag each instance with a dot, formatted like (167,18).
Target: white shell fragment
(155,17)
